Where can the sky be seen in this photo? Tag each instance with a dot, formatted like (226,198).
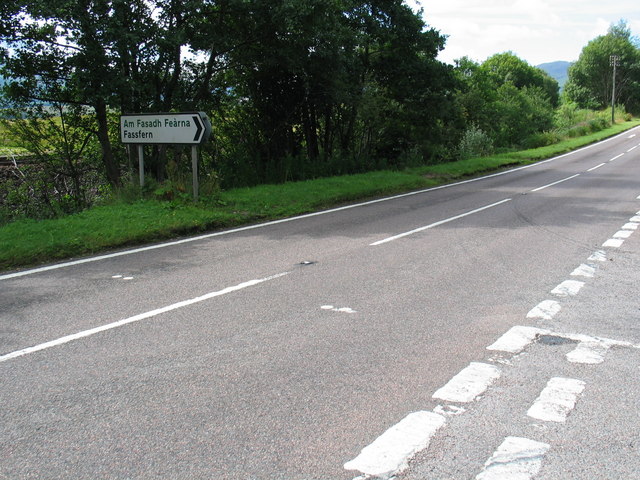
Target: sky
(538,31)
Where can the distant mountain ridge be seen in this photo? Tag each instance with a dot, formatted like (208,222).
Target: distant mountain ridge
(558,70)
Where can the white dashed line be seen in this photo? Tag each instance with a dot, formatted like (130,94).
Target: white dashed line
(596,167)
(589,352)
(632,149)
(555,183)
(567,288)
(545,310)
(441,222)
(136,318)
(390,453)
(599,256)
(613,243)
(557,400)
(623,234)
(584,270)
(616,157)
(471,382)
(517,339)
(516,458)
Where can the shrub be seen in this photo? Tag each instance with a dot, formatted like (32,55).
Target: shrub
(474,143)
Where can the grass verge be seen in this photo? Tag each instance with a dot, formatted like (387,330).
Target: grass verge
(30,242)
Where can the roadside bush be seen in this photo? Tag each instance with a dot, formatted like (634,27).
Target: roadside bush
(474,143)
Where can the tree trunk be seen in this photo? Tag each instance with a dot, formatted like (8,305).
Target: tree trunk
(111,167)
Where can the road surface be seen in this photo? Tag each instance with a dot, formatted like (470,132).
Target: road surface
(352,343)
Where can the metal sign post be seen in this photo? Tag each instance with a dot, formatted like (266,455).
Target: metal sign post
(185,128)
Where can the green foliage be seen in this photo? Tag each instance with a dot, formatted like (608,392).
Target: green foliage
(474,143)
(590,81)
(62,176)
(506,98)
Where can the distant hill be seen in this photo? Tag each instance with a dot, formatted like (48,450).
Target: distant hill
(557,70)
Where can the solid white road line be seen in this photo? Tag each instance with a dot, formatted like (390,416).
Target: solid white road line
(517,339)
(135,318)
(441,222)
(545,310)
(567,288)
(555,183)
(516,458)
(390,453)
(557,400)
(469,383)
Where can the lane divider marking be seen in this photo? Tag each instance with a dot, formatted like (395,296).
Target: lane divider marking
(584,270)
(617,157)
(135,318)
(471,382)
(516,457)
(596,167)
(632,148)
(567,288)
(556,183)
(557,400)
(390,453)
(436,224)
(545,310)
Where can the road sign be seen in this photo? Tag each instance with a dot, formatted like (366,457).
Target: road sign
(187,128)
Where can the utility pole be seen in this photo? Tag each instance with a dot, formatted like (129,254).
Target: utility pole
(614,61)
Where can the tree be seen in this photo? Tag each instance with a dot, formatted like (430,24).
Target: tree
(590,80)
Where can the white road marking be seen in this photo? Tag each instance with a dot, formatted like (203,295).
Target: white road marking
(630,226)
(596,167)
(632,148)
(436,224)
(584,270)
(116,276)
(515,459)
(449,410)
(517,339)
(613,243)
(589,352)
(567,288)
(599,256)
(555,183)
(557,400)
(636,218)
(631,136)
(292,219)
(135,318)
(623,234)
(335,309)
(471,382)
(390,453)
(616,157)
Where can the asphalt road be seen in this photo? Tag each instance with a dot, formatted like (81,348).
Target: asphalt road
(281,351)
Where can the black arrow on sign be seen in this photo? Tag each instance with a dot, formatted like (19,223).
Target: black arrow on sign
(199,128)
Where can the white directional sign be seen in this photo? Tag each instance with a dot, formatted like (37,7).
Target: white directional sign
(165,128)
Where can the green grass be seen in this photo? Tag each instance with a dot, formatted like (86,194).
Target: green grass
(29,242)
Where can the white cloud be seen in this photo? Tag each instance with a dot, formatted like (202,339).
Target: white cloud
(536,30)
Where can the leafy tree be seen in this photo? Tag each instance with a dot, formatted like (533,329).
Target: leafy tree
(591,77)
